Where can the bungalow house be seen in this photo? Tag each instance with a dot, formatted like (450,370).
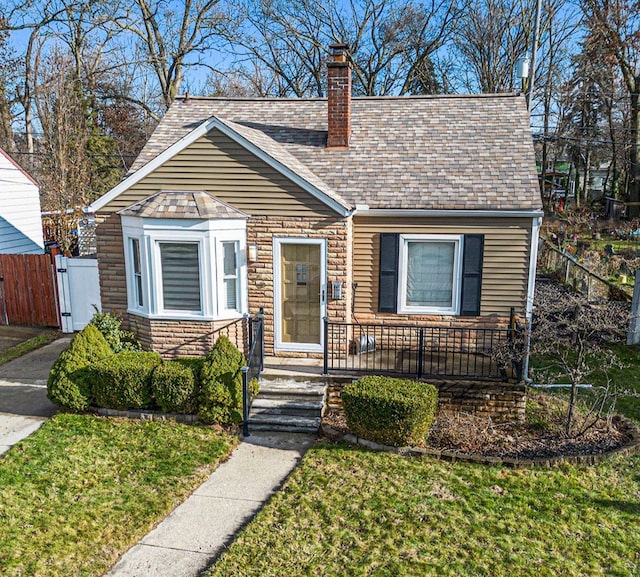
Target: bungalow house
(385,210)
(20,221)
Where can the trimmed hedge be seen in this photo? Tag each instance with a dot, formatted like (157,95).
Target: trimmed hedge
(69,384)
(390,411)
(221,382)
(123,381)
(193,363)
(174,387)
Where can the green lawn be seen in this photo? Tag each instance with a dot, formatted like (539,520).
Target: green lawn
(82,489)
(347,511)
(627,378)
(27,346)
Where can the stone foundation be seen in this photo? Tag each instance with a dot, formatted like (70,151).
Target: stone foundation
(176,338)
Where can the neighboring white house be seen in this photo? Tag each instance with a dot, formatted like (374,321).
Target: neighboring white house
(20,220)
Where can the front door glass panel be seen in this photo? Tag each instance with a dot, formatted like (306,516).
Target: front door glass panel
(300,293)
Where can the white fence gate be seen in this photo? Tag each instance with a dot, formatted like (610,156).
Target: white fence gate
(78,291)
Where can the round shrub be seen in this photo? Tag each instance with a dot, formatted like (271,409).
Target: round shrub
(68,385)
(173,386)
(123,381)
(396,412)
(221,384)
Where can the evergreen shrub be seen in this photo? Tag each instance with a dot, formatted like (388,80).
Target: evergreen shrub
(221,384)
(123,380)
(119,340)
(390,411)
(174,387)
(69,384)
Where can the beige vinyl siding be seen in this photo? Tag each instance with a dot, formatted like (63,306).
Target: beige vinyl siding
(216,164)
(505,266)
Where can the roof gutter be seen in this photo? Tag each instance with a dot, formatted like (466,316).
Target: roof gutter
(527,213)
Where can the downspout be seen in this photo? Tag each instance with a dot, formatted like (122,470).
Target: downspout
(533,259)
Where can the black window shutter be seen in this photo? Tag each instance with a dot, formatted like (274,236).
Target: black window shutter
(472,274)
(388,285)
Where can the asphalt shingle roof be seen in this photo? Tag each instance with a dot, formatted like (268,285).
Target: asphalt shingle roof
(182,204)
(432,152)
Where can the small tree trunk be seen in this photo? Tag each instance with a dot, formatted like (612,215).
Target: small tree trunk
(572,405)
(634,153)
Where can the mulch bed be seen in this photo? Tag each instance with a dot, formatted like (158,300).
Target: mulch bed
(467,434)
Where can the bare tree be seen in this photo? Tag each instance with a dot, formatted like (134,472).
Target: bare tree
(7,67)
(570,338)
(65,177)
(615,28)
(492,36)
(391,43)
(171,36)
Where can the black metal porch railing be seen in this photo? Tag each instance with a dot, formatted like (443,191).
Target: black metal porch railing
(254,366)
(424,351)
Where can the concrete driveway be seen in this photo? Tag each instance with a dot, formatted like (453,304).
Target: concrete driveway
(23,393)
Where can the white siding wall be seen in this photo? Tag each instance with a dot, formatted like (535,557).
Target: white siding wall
(20,222)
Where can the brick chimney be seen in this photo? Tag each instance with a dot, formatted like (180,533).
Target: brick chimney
(338,98)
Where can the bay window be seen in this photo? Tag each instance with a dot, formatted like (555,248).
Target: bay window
(185,268)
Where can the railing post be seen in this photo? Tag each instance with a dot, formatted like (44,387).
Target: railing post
(420,352)
(261,330)
(250,329)
(325,353)
(245,401)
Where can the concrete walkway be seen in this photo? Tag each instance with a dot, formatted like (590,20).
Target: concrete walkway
(190,539)
(23,393)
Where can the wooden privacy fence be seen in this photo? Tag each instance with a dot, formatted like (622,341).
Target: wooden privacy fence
(28,290)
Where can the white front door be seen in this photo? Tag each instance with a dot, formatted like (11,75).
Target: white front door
(300,293)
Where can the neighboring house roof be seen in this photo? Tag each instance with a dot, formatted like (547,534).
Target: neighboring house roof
(416,153)
(19,168)
(21,222)
(182,204)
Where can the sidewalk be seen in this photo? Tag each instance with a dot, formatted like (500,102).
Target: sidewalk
(190,539)
(23,394)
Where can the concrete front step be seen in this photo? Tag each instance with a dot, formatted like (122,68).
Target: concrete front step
(287,406)
(290,388)
(288,423)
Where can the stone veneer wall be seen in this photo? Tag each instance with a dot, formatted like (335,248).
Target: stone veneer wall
(173,338)
(499,401)
(179,338)
(110,252)
(263,230)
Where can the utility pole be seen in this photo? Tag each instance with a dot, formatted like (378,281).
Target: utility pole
(534,53)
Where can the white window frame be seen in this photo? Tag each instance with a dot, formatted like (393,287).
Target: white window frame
(405,239)
(134,300)
(208,235)
(204,272)
(241,276)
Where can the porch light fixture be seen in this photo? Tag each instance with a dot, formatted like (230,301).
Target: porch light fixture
(253,253)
